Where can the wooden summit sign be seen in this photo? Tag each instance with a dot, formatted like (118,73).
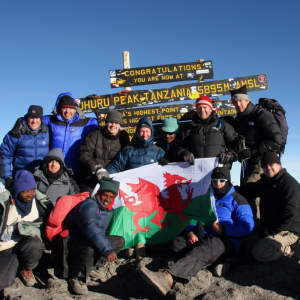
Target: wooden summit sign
(157,113)
(176,93)
(159,74)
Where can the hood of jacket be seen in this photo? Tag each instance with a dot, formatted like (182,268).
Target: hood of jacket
(141,142)
(56,152)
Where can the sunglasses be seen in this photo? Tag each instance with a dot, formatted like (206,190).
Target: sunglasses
(221,180)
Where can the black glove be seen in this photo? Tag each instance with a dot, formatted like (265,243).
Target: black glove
(9,183)
(226,157)
(16,131)
(190,158)
(163,161)
(246,153)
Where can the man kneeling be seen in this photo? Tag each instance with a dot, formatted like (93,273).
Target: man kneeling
(203,246)
(88,246)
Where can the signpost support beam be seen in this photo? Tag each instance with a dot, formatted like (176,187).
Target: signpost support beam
(126,65)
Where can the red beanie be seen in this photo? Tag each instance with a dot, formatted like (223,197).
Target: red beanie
(204,100)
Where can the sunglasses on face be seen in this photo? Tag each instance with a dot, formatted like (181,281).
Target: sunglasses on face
(221,180)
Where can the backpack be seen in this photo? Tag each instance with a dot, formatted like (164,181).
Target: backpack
(278,112)
(55,226)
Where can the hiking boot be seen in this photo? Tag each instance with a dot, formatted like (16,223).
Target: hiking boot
(161,280)
(221,269)
(78,287)
(140,251)
(27,277)
(296,250)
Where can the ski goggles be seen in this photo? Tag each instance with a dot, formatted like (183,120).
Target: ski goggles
(222,180)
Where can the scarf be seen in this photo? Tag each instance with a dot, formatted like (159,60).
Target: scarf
(22,207)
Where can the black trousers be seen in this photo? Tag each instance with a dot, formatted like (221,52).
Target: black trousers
(25,254)
(82,255)
(207,251)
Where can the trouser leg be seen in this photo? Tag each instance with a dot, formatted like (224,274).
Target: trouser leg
(207,251)
(252,174)
(81,257)
(272,248)
(9,265)
(30,251)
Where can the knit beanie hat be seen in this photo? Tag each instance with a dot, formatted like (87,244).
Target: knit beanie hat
(114,116)
(204,100)
(240,93)
(109,185)
(35,111)
(270,158)
(221,173)
(67,101)
(169,124)
(24,181)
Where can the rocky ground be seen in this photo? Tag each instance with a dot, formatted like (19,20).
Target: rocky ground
(121,280)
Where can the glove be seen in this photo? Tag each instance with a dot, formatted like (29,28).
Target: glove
(190,158)
(246,153)
(9,183)
(226,157)
(163,161)
(16,131)
(100,173)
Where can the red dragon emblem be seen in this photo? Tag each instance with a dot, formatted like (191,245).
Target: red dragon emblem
(150,199)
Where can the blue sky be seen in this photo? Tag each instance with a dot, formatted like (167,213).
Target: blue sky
(50,47)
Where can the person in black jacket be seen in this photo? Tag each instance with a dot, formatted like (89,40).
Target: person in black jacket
(258,129)
(166,141)
(206,136)
(279,208)
(99,148)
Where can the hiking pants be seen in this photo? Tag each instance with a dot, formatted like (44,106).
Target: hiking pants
(25,254)
(273,247)
(207,251)
(82,255)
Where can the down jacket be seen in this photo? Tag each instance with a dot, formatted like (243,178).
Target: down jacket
(90,220)
(140,154)
(64,185)
(25,152)
(279,202)
(205,140)
(260,130)
(235,216)
(69,136)
(98,149)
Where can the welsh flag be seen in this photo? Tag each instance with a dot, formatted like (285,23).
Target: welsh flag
(156,203)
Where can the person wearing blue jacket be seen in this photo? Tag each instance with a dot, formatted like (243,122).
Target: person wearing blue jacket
(27,150)
(88,246)
(68,128)
(142,152)
(204,245)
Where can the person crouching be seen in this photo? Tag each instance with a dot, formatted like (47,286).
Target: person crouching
(88,245)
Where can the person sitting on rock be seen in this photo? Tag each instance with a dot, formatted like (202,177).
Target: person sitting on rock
(88,245)
(142,152)
(21,215)
(166,141)
(202,246)
(279,210)
(53,178)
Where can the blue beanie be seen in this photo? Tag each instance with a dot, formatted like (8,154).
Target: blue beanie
(24,181)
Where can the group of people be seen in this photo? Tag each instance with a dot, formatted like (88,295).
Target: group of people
(63,156)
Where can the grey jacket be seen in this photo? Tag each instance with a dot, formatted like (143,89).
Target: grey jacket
(64,185)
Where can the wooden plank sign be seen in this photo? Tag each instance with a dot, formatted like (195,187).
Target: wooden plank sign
(160,74)
(157,113)
(176,93)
